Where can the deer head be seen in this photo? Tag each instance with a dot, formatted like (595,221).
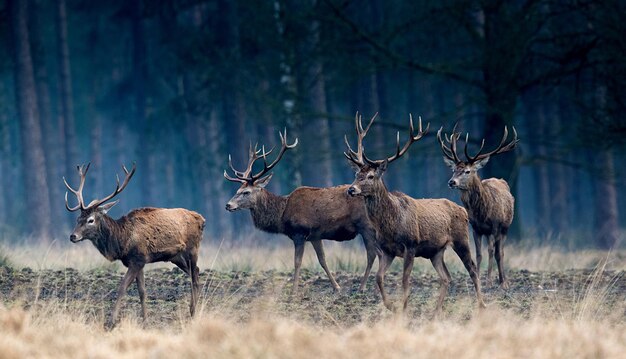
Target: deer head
(463,170)
(252,184)
(369,172)
(88,224)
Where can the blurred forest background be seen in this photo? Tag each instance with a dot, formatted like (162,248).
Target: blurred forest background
(177,85)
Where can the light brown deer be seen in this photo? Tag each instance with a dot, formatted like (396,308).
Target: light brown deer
(144,235)
(407,227)
(307,214)
(489,202)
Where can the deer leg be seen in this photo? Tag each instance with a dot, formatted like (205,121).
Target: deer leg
(491,259)
(384,261)
(499,252)
(371,255)
(297,262)
(478,242)
(195,283)
(444,279)
(141,288)
(463,251)
(409,258)
(321,257)
(129,277)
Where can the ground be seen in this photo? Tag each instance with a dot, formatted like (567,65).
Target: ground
(244,294)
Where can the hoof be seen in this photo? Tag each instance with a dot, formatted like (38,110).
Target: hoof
(505,285)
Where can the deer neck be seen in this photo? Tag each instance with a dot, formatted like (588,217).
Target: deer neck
(381,207)
(268,212)
(473,197)
(112,238)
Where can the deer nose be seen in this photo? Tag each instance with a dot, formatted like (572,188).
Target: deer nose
(451,183)
(230,207)
(73,237)
(351,191)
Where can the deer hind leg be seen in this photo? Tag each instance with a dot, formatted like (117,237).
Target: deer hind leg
(409,259)
(371,255)
(499,252)
(478,242)
(463,251)
(129,277)
(194,273)
(491,260)
(321,257)
(384,261)
(297,263)
(444,279)
(141,288)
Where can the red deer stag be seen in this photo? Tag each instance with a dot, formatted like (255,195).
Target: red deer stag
(408,227)
(144,235)
(305,215)
(489,202)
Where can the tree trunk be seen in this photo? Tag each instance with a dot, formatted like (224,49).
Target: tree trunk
(606,227)
(541,176)
(36,186)
(66,112)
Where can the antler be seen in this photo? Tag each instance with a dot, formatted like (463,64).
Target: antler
(412,138)
(358,156)
(500,149)
(255,154)
(82,172)
(450,152)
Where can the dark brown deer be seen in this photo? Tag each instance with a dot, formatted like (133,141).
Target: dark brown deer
(407,227)
(144,235)
(307,214)
(489,202)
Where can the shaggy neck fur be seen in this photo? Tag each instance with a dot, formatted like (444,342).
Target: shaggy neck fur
(382,209)
(268,212)
(474,196)
(111,237)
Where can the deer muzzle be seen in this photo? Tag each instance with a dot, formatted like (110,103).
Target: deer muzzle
(75,239)
(231,207)
(453,183)
(354,191)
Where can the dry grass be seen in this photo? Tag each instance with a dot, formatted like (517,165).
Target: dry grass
(581,325)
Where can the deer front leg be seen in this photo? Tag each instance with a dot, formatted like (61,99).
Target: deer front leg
(409,258)
(368,241)
(499,252)
(195,283)
(141,288)
(478,242)
(384,261)
(297,262)
(444,279)
(129,277)
(321,257)
(492,259)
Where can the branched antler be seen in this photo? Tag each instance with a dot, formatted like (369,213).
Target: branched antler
(82,172)
(451,152)
(254,155)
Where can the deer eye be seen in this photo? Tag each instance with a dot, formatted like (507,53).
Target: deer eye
(91,221)
(245,193)
(370,176)
(467,172)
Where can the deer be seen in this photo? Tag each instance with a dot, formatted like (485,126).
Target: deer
(307,214)
(142,236)
(489,202)
(407,227)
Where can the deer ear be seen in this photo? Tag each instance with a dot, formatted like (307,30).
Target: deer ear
(262,182)
(106,207)
(478,165)
(449,162)
(382,167)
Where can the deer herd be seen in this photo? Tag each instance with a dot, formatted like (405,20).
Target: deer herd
(391,224)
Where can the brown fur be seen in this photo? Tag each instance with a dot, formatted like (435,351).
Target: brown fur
(490,205)
(309,214)
(145,235)
(407,227)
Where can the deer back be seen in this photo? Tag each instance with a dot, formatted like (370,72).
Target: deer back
(325,212)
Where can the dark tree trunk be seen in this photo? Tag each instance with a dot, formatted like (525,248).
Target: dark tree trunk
(66,108)
(36,186)
(606,227)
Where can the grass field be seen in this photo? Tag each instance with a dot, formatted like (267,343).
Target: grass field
(56,297)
